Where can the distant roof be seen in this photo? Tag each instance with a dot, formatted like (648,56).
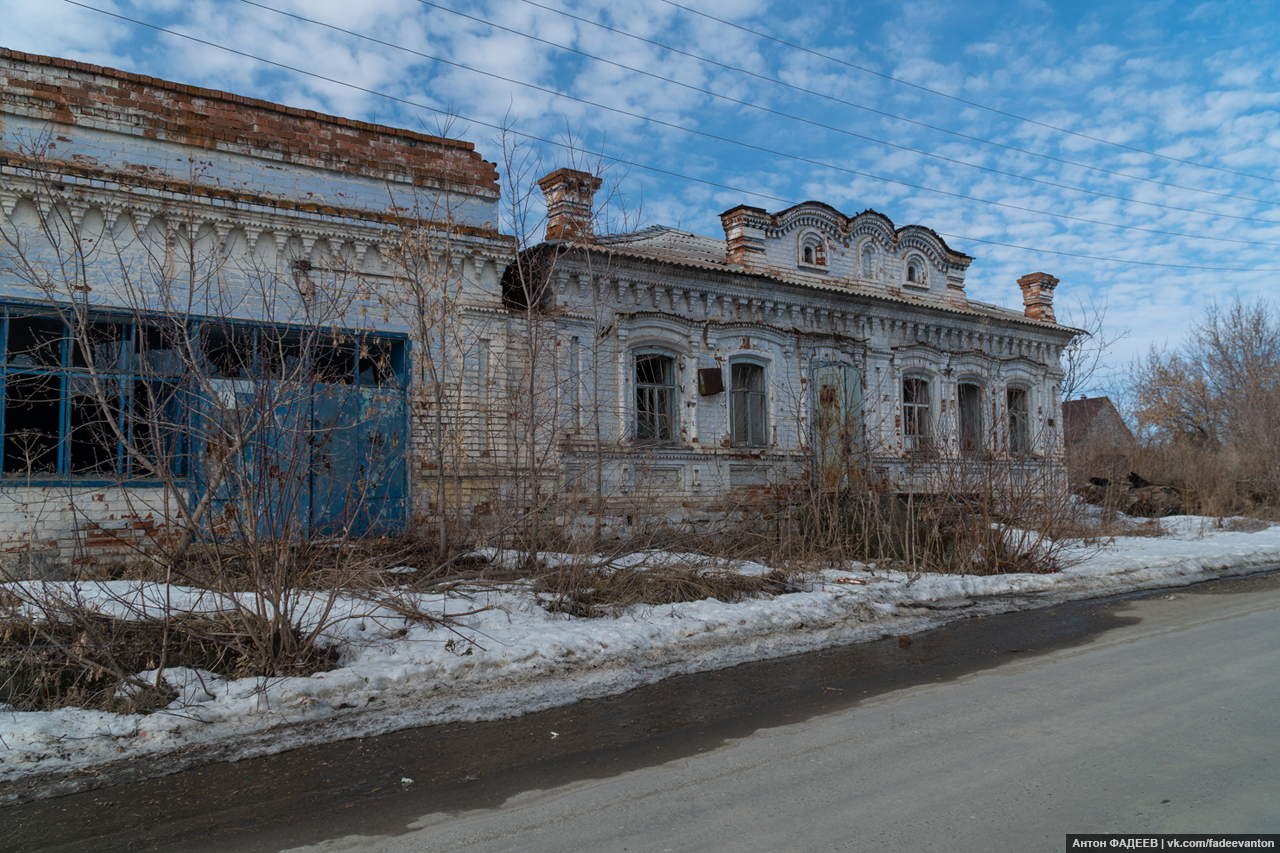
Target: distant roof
(1078,415)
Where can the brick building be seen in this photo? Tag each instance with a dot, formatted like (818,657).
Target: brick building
(803,346)
(188,274)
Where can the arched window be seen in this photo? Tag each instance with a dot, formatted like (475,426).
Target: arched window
(917,428)
(868,262)
(917,274)
(748,405)
(655,381)
(969,403)
(1019,421)
(813,250)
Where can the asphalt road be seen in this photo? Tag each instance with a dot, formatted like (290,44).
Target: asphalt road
(1152,714)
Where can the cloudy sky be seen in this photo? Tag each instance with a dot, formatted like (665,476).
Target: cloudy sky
(1128,148)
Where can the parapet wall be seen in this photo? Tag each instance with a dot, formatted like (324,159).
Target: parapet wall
(55,91)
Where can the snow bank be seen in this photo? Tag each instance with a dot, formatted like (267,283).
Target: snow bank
(516,657)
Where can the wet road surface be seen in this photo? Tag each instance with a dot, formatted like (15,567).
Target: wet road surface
(355,787)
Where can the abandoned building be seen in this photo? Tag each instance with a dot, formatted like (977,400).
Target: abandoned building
(208,305)
(222,313)
(802,346)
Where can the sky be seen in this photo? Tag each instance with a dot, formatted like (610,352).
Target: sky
(1129,149)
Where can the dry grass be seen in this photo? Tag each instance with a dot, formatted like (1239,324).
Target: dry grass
(81,658)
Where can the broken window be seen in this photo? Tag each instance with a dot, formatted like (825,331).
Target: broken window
(68,399)
(748,405)
(655,381)
(33,418)
(969,401)
(916,425)
(1019,422)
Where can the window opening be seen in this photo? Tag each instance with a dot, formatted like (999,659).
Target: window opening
(915,413)
(1019,422)
(748,404)
(655,381)
(94,447)
(34,342)
(33,417)
(970,403)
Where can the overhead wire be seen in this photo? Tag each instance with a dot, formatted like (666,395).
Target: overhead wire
(611,158)
(966,102)
(832,98)
(806,160)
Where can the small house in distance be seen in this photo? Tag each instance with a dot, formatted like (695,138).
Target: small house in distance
(1097,440)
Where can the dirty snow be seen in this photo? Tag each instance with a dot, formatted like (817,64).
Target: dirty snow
(516,657)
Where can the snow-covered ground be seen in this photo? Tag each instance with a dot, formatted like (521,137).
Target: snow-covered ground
(517,657)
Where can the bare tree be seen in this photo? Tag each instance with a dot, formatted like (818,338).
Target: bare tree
(1217,395)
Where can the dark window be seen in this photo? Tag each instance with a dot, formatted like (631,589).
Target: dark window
(69,399)
(911,273)
(748,404)
(969,399)
(33,418)
(655,397)
(1019,422)
(915,413)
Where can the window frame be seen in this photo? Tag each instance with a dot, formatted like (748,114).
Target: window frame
(918,413)
(747,395)
(379,359)
(970,439)
(1018,421)
(654,391)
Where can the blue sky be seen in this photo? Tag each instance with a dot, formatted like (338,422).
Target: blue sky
(1137,141)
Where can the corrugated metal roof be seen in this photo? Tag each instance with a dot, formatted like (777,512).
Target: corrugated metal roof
(661,241)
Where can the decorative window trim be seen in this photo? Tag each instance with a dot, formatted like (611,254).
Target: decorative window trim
(869,261)
(811,250)
(915,271)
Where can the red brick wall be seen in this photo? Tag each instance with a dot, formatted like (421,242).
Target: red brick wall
(76,93)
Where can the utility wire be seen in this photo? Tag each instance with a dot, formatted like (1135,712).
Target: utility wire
(960,100)
(806,160)
(612,159)
(776,81)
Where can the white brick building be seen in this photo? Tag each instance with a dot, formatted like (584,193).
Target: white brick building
(803,346)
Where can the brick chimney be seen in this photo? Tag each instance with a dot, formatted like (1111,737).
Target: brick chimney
(744,235)
(1037,296)
(569,196)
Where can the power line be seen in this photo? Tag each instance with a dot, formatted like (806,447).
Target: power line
(616,160)
(960,100)
(776,81)
(806,160)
